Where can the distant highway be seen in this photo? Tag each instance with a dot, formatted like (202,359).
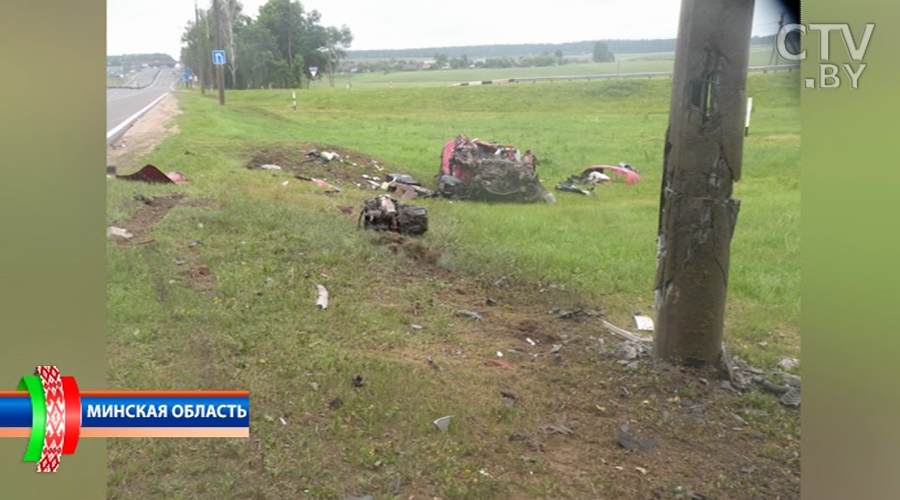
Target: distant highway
(125,105)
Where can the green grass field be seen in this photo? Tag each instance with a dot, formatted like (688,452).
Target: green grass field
(268,244)
(628,63)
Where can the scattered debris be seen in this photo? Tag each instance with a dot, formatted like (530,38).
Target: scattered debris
(557,429)
(415,326)
(529,440)
(508,398)
(118,232)
(431,363)
(471,168)
(358,381)
(336,403)
(644,322)
(322,301)
(570,185)
(402,179)
(443,423)
(771,386)
(396,484)
(383,213)
(623,170)
(530,342)
(269,166)
(283,421)
(630,442)
(319,182)
(154,175)
(177,177)
(497,362)
(575,314)
(625,334)
(791,397)
(789,363)
(595,177)
(470,314)
(790,379)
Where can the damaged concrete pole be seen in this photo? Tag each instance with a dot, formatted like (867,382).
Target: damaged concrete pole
(703,149)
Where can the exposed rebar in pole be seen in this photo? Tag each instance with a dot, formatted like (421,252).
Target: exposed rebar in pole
(774,57)
(220,70)
(702,159)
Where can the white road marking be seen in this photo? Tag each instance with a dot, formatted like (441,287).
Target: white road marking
(133,117)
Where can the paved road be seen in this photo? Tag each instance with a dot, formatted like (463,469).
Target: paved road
(124,105)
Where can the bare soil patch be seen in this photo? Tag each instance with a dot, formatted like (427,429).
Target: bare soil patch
(152,211)
(144,134)
(711,442)
(346,169)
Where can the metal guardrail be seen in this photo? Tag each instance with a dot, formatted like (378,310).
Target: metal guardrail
(752,69)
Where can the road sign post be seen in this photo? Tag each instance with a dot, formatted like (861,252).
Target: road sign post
(218,57)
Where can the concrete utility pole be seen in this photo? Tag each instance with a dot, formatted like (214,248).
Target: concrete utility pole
(702,159)
(220,70)
(201,48)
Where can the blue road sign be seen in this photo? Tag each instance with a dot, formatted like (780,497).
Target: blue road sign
(218,57)
(186,75)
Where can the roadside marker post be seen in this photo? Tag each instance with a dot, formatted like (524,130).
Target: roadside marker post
(747,122)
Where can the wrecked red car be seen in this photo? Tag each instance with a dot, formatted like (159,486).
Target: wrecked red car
(471,168)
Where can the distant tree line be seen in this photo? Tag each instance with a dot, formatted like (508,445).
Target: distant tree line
(276,49)
(531,49)
(601,53)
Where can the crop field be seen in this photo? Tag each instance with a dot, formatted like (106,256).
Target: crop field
(224,298)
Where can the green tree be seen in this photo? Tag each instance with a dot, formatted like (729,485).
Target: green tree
(262,66)
(284,20)
(230,16)
(337,40)
(602,53)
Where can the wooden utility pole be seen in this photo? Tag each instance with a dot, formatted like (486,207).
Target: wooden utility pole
(220,70)
(201,48)
(703,153)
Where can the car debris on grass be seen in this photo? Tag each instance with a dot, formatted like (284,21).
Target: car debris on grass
(471,168)
(154,175)
(384,213)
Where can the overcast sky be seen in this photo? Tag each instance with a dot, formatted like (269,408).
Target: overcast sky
(145,26)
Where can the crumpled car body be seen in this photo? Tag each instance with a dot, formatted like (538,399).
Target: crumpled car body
(471,168)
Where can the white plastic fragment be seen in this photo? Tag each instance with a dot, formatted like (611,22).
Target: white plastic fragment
(644,323)
(118,231)
(443,422)
(322,301)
